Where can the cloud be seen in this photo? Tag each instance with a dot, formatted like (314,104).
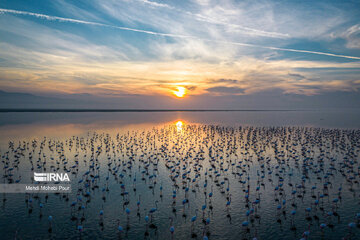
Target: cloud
(296,76)
(203,18)
(223,80)
(352,36)
(237,27)
(225,90)
(61,19)
(48,72)
(191,88)
(156,4)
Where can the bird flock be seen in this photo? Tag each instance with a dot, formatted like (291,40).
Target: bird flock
(190,181)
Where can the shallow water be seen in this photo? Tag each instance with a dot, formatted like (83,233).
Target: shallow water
(250,149)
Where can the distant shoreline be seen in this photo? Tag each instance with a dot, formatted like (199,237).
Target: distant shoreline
(143,110)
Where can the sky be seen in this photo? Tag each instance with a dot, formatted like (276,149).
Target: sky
(147,53)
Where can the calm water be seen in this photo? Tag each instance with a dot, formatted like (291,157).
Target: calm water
(251,162)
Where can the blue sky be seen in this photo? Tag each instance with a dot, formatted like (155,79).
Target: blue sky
(150,48)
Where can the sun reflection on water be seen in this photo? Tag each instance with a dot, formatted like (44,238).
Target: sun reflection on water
(179,125)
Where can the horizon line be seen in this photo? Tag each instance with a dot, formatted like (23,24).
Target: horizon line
(5,110)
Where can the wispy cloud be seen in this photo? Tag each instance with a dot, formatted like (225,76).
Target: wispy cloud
(351,35)
(200,17)
(156,4)
(70,20)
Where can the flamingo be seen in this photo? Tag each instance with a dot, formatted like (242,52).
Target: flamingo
(193,219)
(172,228)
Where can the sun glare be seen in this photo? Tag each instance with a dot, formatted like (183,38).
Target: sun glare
(180,93)
(179,125)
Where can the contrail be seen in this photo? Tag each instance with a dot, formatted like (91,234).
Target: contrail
(71,20)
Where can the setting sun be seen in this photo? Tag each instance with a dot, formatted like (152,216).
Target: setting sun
(180,93)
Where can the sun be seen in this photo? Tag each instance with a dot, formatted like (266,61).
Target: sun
(180,93)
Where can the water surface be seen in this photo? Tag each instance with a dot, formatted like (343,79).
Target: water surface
(240,156)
